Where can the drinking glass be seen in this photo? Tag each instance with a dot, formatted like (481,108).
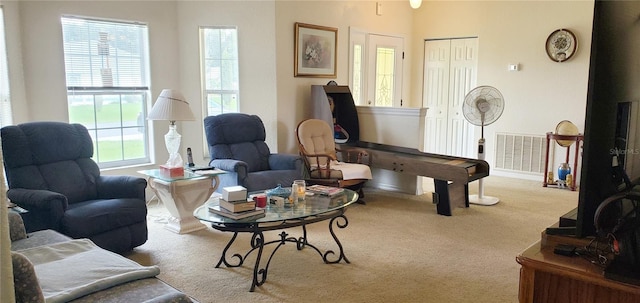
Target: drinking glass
(302,189)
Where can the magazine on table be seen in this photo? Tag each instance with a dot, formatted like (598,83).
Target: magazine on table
(324,190)
(212,171)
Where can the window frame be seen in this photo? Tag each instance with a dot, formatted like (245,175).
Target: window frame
(141,93)
(203,78)
(204,75)
(6,112)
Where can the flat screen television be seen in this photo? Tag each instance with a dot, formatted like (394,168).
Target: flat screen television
(612,98)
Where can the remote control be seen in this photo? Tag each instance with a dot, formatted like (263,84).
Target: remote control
(565,250)
(190,158)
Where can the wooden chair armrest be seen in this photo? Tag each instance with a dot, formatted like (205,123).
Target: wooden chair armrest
(318,157)
(325,169)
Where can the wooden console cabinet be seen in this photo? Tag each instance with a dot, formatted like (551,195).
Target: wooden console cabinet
(546,277)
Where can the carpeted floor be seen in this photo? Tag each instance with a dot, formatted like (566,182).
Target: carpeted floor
(400,251)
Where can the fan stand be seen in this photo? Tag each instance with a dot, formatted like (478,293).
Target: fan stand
(480,198)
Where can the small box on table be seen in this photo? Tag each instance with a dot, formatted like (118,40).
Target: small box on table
(171,172)
(234,193)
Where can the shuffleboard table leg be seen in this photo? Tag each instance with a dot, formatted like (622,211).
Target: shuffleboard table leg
(466,195)
(444,203)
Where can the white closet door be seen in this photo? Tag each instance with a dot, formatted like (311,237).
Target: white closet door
(449,73)
(462,79)
(435,95)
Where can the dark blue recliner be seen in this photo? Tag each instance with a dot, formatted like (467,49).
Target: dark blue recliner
(236,145)
(51,174)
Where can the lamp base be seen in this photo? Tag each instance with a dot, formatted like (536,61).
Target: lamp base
(171,172)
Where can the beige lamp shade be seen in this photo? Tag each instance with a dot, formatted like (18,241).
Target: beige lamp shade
(172,106)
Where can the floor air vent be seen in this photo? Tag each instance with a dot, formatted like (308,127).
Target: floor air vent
(521,153)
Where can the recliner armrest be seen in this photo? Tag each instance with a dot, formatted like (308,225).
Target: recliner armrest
(46,206)
(237,166)
(285,162)
(114,187)
(39,199)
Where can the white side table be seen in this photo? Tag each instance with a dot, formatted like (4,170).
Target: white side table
(182,195)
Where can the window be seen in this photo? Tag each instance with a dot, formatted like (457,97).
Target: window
(356,62)
(106,66)
(219,61)
(5,96)
(375,62)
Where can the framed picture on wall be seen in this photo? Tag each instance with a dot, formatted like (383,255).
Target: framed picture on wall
(315,51)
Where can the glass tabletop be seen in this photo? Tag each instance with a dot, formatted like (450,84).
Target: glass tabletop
(312,206)
(155,173)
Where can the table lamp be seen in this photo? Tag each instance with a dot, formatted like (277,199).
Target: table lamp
(172,106)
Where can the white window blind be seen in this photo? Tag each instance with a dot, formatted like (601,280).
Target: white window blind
(104,53)
(106,66)
(6,116)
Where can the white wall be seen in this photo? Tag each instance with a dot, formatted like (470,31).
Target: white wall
(14,53)
(44,85)
(38,81)
(537,97)
(294,93)
(543,92)
(257,67)
(42,51)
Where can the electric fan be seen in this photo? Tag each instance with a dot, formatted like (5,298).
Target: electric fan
(482,106)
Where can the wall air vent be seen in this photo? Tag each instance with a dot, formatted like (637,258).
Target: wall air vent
(520,153)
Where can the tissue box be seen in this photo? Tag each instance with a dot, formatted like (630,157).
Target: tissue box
(171,172)
(234,193)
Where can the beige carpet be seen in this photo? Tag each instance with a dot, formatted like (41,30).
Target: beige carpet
(400,251)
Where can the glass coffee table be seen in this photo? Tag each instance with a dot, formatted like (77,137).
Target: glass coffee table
(313,209)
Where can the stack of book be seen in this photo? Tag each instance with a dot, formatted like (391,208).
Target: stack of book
(238,206)
(236,209)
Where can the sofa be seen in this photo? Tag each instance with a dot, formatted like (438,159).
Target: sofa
(91,275)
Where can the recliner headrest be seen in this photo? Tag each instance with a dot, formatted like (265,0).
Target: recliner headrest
(232,128)
(64,141)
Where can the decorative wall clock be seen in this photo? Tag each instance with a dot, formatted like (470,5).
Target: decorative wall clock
(561,45)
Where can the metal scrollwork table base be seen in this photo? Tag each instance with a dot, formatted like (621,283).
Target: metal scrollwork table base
(314,209)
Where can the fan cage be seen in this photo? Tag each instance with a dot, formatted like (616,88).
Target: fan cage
(471,111)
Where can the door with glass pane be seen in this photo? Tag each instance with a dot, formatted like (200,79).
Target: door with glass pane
(375,68)
(384,73)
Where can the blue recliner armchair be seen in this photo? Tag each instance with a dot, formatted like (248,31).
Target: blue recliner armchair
(236,145)
(50,173)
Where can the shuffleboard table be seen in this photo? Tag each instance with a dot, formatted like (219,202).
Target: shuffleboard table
(451,174)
